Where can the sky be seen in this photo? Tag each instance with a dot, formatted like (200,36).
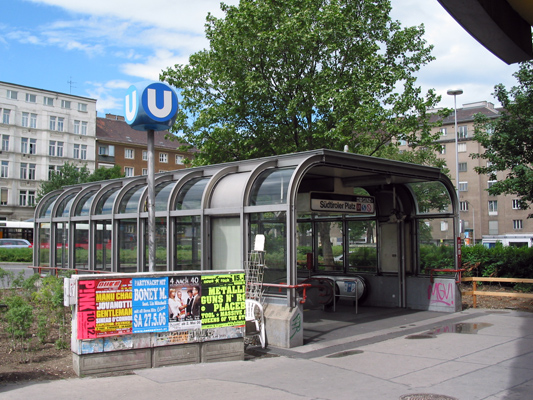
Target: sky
(98,48)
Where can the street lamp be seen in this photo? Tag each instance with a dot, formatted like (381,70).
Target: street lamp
(455,93)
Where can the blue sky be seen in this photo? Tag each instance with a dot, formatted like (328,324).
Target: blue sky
(103,46)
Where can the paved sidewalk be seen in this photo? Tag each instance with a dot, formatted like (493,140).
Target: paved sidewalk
(474,354)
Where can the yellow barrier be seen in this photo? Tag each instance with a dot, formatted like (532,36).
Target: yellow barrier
(474,292)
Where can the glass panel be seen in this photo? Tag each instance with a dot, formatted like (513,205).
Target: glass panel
(436,244)
(61,245)
(104,231)
(84,205)
(44,240)
(81,245)
(63,210)
(127,245)
(330,246)
(188,243)
(271,187)
(190,195)
(46,211)
(431,197)
(105,204)
(362,249)
(160,245)
(162,192)
(304,245)
(226,244)
(130,201)
(273,226)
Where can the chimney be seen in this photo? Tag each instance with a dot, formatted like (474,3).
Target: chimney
(114,117)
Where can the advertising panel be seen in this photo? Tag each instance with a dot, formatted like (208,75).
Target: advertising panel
(113,307)
(150,304)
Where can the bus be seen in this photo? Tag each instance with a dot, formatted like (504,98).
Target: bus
(16,230)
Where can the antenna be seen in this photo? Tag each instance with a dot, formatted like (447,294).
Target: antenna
(70,82)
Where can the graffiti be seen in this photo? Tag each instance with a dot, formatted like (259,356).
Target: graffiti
(442,293)
(296,324)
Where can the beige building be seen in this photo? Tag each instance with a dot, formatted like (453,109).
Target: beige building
(40,131)
(483,217)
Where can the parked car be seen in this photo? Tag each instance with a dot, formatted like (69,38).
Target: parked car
(14,243)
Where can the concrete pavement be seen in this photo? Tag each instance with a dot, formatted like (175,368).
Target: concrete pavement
(377,354)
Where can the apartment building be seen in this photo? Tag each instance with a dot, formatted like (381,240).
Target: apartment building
(483,217)
(118,143)
(40,131)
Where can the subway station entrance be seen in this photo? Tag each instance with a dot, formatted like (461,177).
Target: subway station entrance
(378,224)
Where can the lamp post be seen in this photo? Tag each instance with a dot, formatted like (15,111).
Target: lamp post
(455,93)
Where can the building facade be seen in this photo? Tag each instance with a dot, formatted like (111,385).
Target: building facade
(40,130)
(483,218)
(118,143)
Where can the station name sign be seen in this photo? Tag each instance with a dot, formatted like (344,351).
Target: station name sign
(352,204)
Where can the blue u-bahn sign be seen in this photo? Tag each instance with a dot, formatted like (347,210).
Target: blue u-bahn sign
(151,105)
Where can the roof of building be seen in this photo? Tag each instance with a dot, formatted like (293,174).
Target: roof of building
(467,112)
(46,90)
(114,129)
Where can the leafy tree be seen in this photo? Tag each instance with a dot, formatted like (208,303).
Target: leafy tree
(296,75)
(508,140)
(72,175)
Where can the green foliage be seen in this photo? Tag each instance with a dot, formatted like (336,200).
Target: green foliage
(6,277)
(72,175)
(49,304)
(436,257)
(19,319)
(16,255)
(282,77)
(499,261)
(507,140)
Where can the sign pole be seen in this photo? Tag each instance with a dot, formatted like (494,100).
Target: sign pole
(151,201)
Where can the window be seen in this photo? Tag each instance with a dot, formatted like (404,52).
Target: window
(463,186)
(444,226)
(60,124)
(129,153)
(25,119)
(517,224)
(516,204)
(82,107)
(27,198)
(442,131)
(493,207)
(4,169)
(443,149)
(83,152)
(5,116)
(463,205)
(179,159)
(402,142)
(145,155)
(59,149)
(31,98)
(490,183)
(33,121)
(3,196)
(48,101)
(33,146)
(128,171)
(77,127)
(463,167)
(163,157)
(23,170)
(108,150)
(5,142)
(65,104)
(462,132)
(145,171)
(12,94)
(493,227)
(83,128)
(461,147)
(52,170)
(24,145)
(52,148)
(53,123)
(76,151)
(80,151)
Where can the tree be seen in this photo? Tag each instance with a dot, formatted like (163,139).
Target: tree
(508,140)
(296,75)
(72,175)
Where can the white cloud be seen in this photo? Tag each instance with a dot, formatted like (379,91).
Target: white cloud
(151,69)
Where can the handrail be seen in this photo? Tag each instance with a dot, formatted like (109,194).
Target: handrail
(474,292)
(304,286)
(57,269)
(456,271)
